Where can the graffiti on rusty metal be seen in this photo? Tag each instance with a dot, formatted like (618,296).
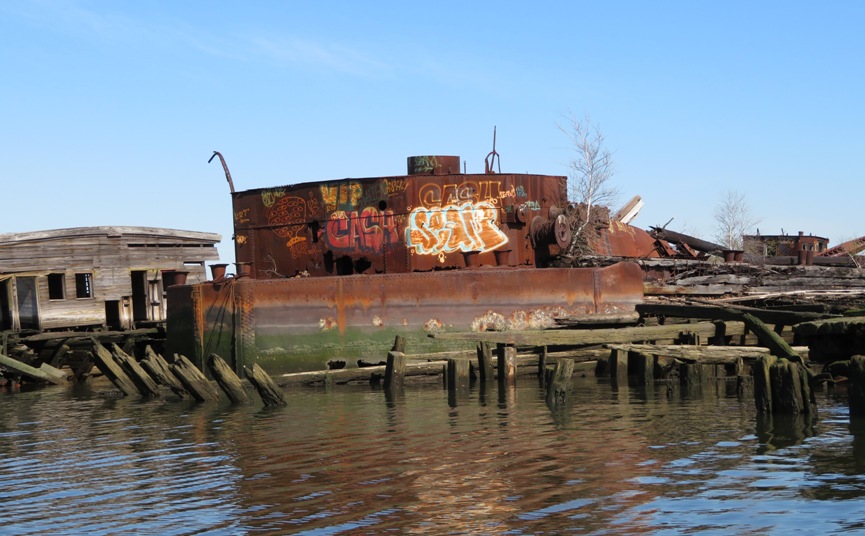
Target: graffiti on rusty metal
(465,227)
(370,229)
(434,194)
(269,197)
(395,186)
(241,216)
(341,196)
(286,214)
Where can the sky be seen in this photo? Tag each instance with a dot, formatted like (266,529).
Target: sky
(111,110)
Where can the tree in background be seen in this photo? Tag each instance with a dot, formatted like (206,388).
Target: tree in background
(591,168)
(734,219)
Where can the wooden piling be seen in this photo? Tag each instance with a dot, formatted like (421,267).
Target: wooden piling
(105,362)
(158,368)
(781,386)
(485,362)
(559,386)
(856,386)
(457,375)
(507,356)
(228,380)
(542,367)
(269,392)
(763,383)
(145,384)
(643,366)
(394,374)
(193,380)
(786,392)
(618,363)
(690,375)
(398,344)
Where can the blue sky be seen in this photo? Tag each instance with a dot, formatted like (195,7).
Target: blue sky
(111,110)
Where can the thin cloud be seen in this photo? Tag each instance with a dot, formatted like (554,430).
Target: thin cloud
(334,57)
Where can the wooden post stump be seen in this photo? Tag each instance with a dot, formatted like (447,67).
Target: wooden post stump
(398,344)
(790,389)
(856,386)
(763,383)
(158,368)
(559,387)
(644,366)
(114,372)
(507,356)
(193,380)
(269,392)
(394,373)
(485,362)
(458,375)
(690,375)
(145,384)
(784,397)
(618,363)
(228,380)
(542,366)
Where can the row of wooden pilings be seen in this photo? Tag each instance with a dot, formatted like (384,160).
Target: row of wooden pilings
(783,383)
(143,378)
(457,373)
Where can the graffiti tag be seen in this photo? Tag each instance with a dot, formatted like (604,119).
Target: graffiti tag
(269,197)
(366,230)
(465,227)
(341,196)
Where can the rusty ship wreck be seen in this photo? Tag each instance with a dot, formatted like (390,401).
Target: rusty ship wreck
(331,271)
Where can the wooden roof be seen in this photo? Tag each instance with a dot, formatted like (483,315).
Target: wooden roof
(129,233)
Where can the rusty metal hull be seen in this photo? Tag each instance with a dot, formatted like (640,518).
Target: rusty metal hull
(305,323)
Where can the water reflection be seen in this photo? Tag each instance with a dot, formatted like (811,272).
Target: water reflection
(356,459)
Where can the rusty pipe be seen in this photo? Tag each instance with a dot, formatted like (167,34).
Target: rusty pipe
(224,167)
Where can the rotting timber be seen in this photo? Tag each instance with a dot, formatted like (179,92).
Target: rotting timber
(330,272)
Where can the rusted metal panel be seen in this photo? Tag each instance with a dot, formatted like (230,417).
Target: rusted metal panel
(619,239)
(392,224)
(304,322)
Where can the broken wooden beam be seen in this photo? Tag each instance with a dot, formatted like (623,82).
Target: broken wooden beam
(601,319)
(574,337)
(728,312)
(697,354)
(45,372)
(768,338)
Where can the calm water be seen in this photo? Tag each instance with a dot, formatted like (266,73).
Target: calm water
(353,461)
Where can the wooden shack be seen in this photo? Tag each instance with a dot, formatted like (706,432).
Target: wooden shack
(96,277)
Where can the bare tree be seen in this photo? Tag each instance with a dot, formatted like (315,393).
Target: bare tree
(733,218)
(591,168)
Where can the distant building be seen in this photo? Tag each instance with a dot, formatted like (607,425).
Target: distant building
(784,245)
(96,277)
